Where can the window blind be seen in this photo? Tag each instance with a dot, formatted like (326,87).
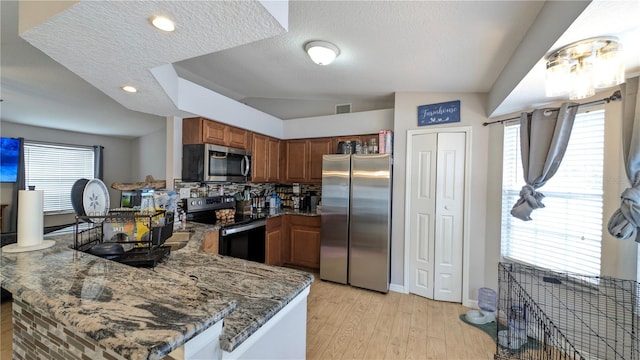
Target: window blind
(54,169)
(566,234)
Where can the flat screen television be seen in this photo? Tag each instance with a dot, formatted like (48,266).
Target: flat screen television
(9,159)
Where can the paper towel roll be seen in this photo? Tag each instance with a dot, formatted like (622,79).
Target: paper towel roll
(30,217)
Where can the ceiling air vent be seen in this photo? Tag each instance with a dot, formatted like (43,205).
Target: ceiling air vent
(343,109)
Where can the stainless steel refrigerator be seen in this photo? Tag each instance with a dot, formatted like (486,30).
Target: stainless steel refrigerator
(355,236)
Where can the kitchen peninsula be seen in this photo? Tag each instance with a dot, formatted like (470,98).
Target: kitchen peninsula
(72,305)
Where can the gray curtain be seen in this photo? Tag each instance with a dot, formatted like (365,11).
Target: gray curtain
(544,135)
(624,222)
(19,185)
(98,168)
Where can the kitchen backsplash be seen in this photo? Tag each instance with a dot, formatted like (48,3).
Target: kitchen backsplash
(285,191)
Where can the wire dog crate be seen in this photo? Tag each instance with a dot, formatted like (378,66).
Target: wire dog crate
(544,314)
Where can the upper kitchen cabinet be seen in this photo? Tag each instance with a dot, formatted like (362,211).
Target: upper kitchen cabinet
(237,138)
(274,147)
(200,130)
(304,159)
(361,138)
(317,148)
(259,158)
(296,155)
(265,152)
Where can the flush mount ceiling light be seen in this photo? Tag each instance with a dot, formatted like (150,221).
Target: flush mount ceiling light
(321,52)
(583,66)
(129,89)
(163,23)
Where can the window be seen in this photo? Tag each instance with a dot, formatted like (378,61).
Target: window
(566,234)
(54,169)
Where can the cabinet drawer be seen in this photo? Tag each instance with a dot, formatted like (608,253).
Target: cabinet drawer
(302,220)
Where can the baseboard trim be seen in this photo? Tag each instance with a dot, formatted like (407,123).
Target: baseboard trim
(397,288)
(470,303)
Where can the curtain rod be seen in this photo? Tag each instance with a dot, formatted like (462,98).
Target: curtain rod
(617,95)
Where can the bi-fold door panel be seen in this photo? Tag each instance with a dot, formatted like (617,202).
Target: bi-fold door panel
(436,213)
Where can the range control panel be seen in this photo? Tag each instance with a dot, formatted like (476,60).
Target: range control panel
(208,203)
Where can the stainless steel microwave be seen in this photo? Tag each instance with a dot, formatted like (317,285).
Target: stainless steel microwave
(208,162)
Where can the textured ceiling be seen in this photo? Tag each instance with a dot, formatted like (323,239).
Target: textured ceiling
(111,43)
(385,47)
(71,78)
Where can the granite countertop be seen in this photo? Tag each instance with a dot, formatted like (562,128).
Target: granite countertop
(259,290)
(181,297)
(287,211)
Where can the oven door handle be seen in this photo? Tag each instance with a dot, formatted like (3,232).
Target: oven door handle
(249,226)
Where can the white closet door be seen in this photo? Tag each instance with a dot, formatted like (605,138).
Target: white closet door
(449,214)
(436,215)
(422,212)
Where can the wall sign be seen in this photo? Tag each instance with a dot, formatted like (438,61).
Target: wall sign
(442,113)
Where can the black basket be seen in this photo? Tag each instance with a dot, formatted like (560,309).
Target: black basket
(145,251)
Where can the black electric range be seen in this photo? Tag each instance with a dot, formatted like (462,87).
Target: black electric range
(203,210)
(243,237)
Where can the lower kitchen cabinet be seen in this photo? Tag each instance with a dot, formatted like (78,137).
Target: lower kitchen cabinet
(304,240)
(293,240)
(210,242)
(273,238)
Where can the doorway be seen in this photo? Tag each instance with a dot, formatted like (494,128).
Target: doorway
(436,231)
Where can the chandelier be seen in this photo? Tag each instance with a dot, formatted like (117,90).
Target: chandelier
(583,66)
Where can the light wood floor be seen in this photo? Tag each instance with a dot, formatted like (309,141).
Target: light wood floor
(6,330)
(344,322)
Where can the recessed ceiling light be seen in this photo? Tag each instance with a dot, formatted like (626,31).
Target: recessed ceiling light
(163,23)
(129,88)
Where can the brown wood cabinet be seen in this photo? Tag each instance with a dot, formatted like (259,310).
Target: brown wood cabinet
(200,130)
(362,138)
(296,158)
(304,240)
(236,137)
(213,132)
(210,242)
(259,158)
(317,148)
(273,239)
(265,158)
(304,159)
(275,160)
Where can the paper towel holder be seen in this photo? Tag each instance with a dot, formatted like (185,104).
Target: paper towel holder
(39,245)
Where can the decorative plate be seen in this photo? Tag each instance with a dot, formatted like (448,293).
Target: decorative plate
(95,199)
(77,191)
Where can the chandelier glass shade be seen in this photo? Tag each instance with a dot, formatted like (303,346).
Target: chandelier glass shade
(583,66)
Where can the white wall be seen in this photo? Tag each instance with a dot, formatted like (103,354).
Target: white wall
(472,114)
(197,99)
(173,136)
(494,205)
(117,158)
(365,122)
(148,156)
